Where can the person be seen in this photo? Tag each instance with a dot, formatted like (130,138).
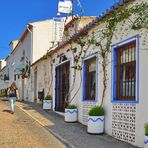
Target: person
(12,96)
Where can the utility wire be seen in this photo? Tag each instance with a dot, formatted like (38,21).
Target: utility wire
(81,8)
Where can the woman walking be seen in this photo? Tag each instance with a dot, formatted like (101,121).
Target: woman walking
(12,96)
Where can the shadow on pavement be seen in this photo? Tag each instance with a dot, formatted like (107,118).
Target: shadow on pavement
(7,111)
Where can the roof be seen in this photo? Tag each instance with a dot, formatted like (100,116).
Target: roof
(44,57)
(71,21)
(95,21)
(2,68)
(29,26)
(88,26)
(7,58)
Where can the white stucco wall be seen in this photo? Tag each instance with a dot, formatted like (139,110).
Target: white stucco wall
(42,38)
(135,112)
(130,116)
(34,45)
(44,77)
(3,84)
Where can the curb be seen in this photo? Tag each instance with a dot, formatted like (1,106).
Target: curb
(64,141)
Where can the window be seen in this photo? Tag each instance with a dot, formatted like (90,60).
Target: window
(90,79)
(125,69)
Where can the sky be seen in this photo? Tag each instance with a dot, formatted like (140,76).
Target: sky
(16,14)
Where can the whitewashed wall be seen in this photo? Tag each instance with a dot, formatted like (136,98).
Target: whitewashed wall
(42,38)
(34,45)
(3,84)
(133,114)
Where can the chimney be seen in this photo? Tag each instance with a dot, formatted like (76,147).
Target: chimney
(13,44)
(2,64)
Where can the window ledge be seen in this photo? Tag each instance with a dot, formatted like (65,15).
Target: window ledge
(89,100)
(125,101)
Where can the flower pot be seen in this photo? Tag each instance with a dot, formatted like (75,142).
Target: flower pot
(47,104)
(71,115)
(146,142)
(95,124)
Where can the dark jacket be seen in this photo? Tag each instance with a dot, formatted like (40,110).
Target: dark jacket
(12,93)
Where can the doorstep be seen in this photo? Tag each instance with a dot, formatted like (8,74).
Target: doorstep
(60,113)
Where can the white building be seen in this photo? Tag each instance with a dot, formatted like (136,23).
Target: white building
(42,69)
(33,43)
(77,70)
(4,76)
(102,63)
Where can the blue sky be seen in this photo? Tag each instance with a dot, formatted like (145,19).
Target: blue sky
(16,14)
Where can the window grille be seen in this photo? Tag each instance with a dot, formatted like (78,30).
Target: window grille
(126,72)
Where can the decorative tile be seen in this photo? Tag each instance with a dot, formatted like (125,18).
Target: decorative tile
(123,122)
(86,107)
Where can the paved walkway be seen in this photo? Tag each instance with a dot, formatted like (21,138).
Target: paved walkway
(72,134)
(21,131)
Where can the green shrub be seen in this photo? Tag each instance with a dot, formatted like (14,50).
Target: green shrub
(48,97)
(146,129)
(3,94)
(71,106)
(97,111)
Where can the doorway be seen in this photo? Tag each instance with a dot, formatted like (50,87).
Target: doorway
(62,85)
(35,86)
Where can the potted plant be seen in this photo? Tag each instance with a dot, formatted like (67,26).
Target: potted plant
(71,112)
(96,120)
(146,136)
(47,102)
(25,72)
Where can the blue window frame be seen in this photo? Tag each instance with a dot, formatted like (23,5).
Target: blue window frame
(90,78)
(125,71)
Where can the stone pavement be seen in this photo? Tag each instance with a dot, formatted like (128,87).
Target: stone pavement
(21,131)
(72,134)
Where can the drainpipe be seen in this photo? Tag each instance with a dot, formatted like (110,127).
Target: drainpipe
(30,31)
(31,56)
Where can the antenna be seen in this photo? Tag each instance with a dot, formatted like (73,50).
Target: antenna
(81,8)
(72,8)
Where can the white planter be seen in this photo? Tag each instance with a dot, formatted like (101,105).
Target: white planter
(146,142)
(47,104)
(95,124)
(71,115)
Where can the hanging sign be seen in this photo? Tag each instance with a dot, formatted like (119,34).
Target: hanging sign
(18,70)
(58,29)
(65,6)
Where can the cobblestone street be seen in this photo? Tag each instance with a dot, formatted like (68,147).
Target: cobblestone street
(21,131)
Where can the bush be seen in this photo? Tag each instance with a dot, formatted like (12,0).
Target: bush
(49,97)
(71,106)
(97,111)
(3,94)
(146,129)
